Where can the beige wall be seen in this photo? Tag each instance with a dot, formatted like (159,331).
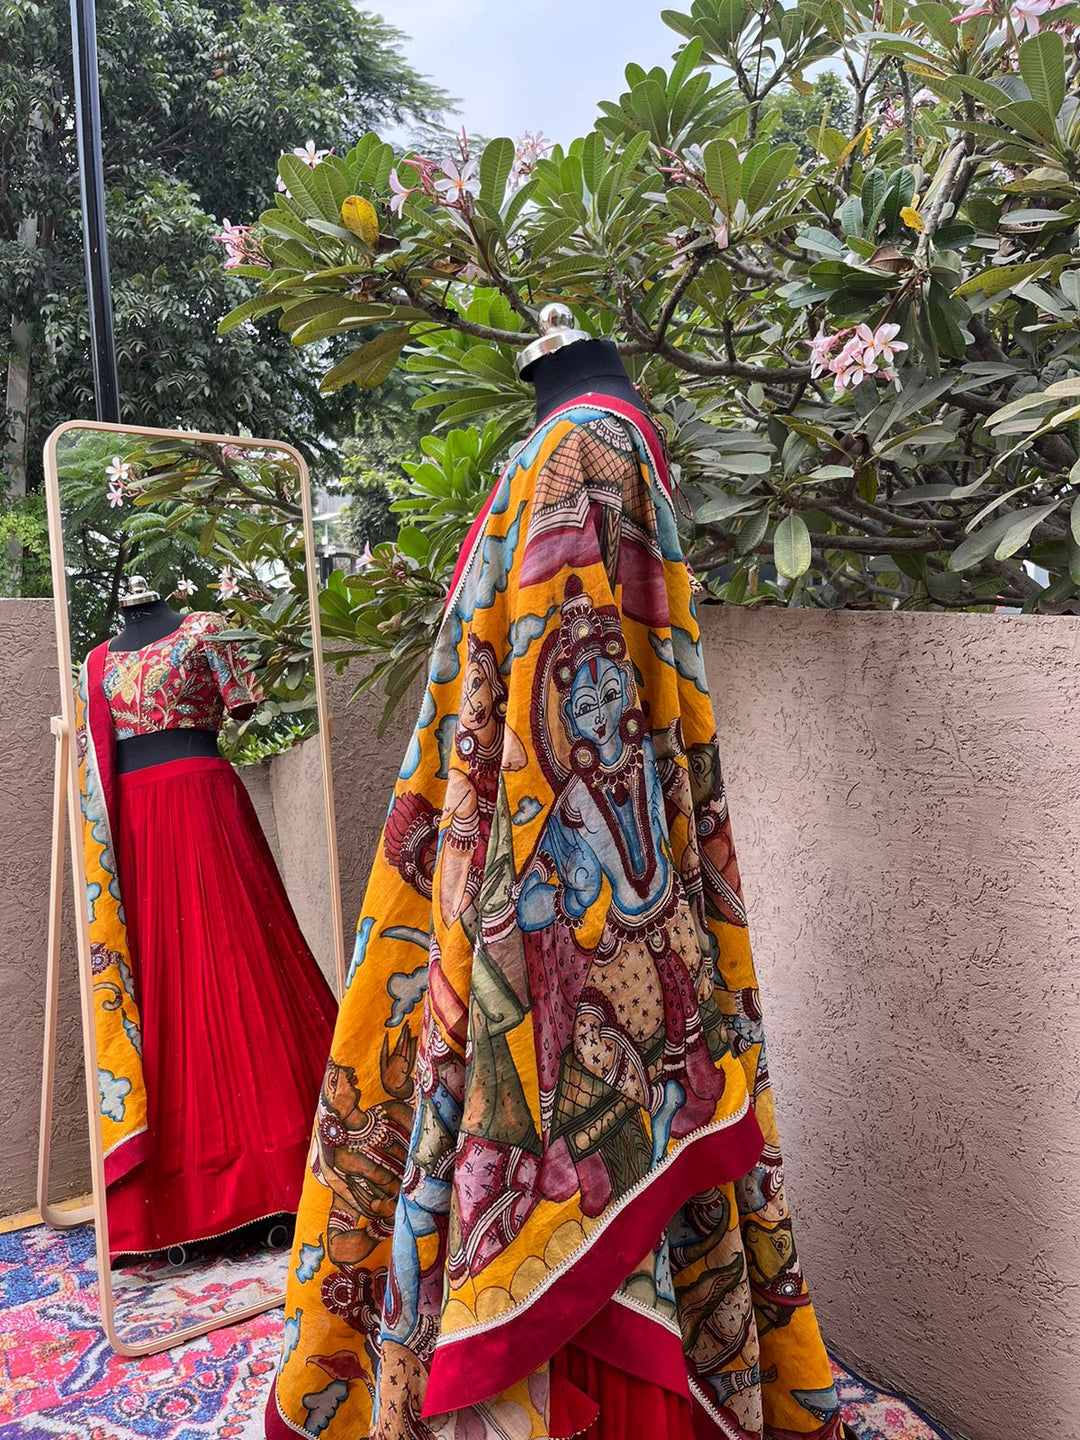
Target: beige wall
(904,792)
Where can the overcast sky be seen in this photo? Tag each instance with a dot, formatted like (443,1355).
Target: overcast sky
(521,65)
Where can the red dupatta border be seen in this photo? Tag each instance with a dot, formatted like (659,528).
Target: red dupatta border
(464,1373)
(101,757)
(600,401)
(578,1306)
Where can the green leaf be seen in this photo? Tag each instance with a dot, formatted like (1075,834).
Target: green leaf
(370,364)
(1074,519)
(792,551)
(1042,67)
(690,205)
(1001,277)
(315,199)
(938,20)
(1019,532)
(648,104)
(981,543)
(495,165)
(723,507)
(722,173)
(761,180)
(594,160)
(249,310)
(824,242)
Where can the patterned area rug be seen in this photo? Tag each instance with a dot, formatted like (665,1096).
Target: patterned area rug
(60,1379)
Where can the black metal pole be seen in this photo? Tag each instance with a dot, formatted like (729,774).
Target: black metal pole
(92,186)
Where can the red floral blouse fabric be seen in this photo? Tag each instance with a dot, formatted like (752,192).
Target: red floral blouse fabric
(189,679)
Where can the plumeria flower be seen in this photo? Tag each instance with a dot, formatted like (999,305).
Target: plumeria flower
(118,471)
(471,274)
(400,192)
(821,347)
(529,149)
(455,183)
(184,586)
(241,246)
(720,233)
(1026,15)
(310,155)
(227,585)
(880,343)
(365,558)
(115,496)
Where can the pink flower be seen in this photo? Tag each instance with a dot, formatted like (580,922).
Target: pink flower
(853,364)
(972,13)
(821,347)
(880,343)
(241,246)
(400,192)
(115,496)
(455,182)
(720,233)
(227,585)
(365,558)
(471,274)
(1026,16)
(529,149)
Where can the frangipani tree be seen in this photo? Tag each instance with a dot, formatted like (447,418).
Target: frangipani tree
(867,362)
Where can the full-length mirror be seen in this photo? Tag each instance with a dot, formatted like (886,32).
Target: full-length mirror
(205,874)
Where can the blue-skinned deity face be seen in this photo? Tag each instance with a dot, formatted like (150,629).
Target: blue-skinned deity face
(597,702)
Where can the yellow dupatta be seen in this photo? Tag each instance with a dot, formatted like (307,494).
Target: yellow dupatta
(548,1069)
(116,1015)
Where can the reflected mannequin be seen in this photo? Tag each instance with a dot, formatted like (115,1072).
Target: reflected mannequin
(192,753)
(223,1010)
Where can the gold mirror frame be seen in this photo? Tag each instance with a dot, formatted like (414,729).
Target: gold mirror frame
(69,827)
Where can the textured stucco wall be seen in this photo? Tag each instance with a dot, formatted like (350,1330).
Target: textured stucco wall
(29,694)
(904,794)
(300,825)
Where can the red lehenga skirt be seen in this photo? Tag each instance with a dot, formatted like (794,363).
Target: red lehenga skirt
(237,1018)
(630,1408)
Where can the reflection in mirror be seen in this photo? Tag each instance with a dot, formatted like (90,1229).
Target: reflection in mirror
(206,857)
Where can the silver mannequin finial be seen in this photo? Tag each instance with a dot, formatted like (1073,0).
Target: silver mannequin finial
(138,592)
(557,328)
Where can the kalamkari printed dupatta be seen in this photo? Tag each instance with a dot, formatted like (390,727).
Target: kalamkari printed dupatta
(547,1113)
(121,1090)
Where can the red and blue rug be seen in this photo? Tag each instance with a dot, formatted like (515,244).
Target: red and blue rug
(61,1380)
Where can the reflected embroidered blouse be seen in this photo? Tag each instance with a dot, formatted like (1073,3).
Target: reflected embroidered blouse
(189,679)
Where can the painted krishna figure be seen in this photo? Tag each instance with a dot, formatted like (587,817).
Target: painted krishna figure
(546,1195)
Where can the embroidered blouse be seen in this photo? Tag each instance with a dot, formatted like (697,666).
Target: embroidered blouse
(189,679)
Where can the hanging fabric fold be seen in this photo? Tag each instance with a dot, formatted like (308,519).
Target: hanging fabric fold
(546,1115)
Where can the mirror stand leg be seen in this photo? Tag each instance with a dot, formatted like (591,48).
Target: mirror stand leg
(56,1219)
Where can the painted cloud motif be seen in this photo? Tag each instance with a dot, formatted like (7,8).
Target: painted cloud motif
(113,1090)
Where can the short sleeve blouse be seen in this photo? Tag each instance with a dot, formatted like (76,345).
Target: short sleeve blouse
(189,679)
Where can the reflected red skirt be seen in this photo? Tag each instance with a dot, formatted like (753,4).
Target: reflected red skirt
(237,1018)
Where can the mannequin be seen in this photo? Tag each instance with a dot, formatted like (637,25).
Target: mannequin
(148,619)
(577,368)
(578,1086)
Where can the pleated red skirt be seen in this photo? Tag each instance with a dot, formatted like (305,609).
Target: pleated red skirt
(237,1018)
(630,1408)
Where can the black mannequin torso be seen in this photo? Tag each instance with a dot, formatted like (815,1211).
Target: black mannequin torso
(144,625)
(577,369)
